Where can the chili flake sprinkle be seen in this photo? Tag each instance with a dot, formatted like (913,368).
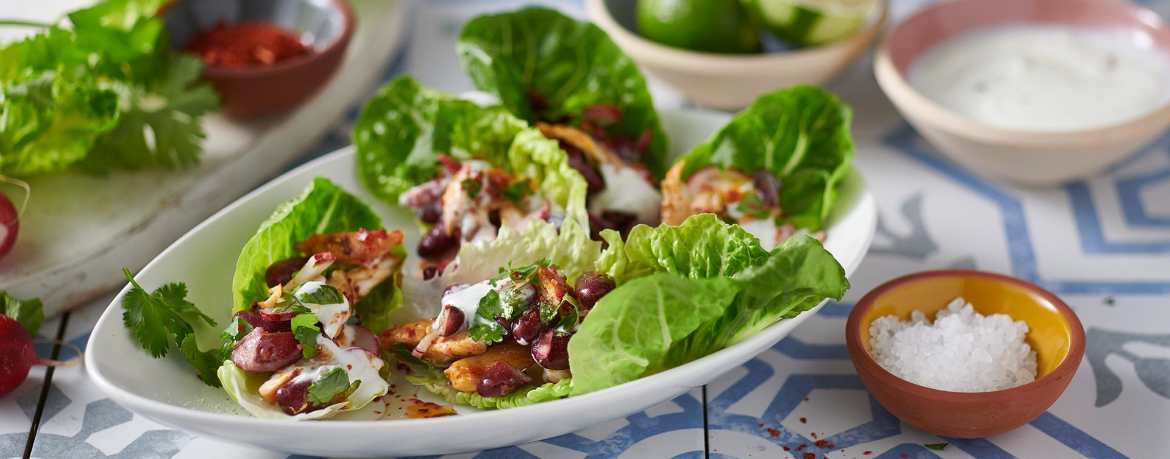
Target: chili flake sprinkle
(246,44)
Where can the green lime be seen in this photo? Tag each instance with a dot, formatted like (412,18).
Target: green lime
(715,26)
(810,22)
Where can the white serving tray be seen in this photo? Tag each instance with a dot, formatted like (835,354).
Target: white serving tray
(80,230)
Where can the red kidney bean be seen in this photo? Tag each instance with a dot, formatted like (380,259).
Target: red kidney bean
(501,379)
(257,320)
(436,243)
(602,114)
(591,287)
(263,352)
(551,351)
(577,161)
(767,187)
(453,319)
(431,213)
(292,397)
(527,327)
(282,271)
(430,272)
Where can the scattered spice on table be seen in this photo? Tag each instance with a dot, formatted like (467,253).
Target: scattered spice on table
(810,456)
(866,453)
(803,421)
(814,435)
(246,44)
(774,432)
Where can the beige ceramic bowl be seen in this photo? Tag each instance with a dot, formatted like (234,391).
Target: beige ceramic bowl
(1031,158)
(727,81)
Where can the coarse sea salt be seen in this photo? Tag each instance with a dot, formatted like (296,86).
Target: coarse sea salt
(962,351)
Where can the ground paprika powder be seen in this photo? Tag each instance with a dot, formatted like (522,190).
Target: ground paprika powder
(246,44)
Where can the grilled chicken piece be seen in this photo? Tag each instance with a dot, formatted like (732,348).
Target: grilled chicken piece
(364,278)
(707,190)
(442,350)
(582,141)
(353,248)
(466,373)
(552,285)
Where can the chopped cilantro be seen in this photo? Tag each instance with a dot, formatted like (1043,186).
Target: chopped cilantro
(325,294)
(472,187)
(751,204)
(569,321)
(484,328)
(936,446)
(234,332)
(304,326)
(517,191)
(333,383)
(523,273)
(548,312)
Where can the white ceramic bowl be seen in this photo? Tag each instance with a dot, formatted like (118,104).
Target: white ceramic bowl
(167,391)
(728,81)
(1030,158)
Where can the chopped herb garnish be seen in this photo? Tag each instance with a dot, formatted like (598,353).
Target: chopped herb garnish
(548,313)
(472,187)
(304,326)
(936,446)
(234,332)
(521,274)
(752,205)
(570,320)
(484,328)
(333,383)
(1109,301)
(517,191)
(325,294)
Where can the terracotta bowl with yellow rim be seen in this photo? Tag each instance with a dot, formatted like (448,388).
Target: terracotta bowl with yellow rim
(1054,332)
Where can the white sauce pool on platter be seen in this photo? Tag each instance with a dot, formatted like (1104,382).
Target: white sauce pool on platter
(1033,77)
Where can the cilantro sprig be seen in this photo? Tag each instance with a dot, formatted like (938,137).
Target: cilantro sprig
(333,383)
(156,318)
(523,273)
(103,93)
(484,328)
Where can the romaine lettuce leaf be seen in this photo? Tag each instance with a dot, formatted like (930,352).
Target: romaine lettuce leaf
(48,124)
(631,330)
(322,208)
(534,156)
(687,291)
(800,134)
(403,129)
(437,384)
(701,247)
(548,67)
(569,249)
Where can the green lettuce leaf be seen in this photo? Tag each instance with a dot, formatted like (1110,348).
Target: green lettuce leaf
(534,156)
(48,123)
(687,291)
(374,309)
(569,249)
(701,247)
(322,208)
(566,66)
(403,129)
(800,134)
(631,330)
(528,395)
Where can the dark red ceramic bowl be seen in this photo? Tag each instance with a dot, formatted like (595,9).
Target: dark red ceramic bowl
(325,25)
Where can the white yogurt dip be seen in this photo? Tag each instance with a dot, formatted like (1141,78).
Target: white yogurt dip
(1033,77)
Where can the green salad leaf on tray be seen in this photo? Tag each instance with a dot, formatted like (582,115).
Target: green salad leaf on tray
(105,93)
(800,135)
(545,66)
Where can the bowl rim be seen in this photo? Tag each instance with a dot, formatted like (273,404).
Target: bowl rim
(925,110)
(337,45)
(717,63)
(862,358)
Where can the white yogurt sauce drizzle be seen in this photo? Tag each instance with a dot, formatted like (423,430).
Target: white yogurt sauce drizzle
(1033,77)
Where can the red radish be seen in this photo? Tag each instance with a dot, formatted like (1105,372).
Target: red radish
(17,356)
(10,220)
(10,216)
